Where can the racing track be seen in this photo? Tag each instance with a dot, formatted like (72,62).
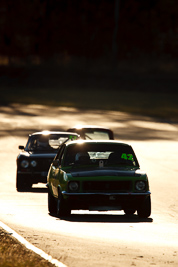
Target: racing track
(95,238)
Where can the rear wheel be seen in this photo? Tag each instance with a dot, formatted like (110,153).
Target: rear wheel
(51,203)
(144,210)
(62,208)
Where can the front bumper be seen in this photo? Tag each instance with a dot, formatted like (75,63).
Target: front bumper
(64,193)
(105,201)
(33,177)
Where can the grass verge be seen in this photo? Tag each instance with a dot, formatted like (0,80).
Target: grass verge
(14,254)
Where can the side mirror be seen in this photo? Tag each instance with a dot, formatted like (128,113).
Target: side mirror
(56,163)
(21,147)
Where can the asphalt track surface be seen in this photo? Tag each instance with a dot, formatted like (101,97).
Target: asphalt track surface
(95,238)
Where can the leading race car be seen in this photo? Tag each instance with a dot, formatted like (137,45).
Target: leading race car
(90,132)
(34,160)
(97,175)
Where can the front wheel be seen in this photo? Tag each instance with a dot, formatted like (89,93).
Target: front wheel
(19,183)
(144,210)
(51,203)
(62,208)
(22,184)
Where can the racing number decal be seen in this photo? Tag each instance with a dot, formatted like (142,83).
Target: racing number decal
(127,156)
(71,137)
(130,157)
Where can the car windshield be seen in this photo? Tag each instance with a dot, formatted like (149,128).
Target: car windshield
(93,133)
(100,155)
(96,134)
(50,142)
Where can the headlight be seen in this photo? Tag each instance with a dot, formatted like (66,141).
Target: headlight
(140,185)
(24,164)
(73,186)
(33,163)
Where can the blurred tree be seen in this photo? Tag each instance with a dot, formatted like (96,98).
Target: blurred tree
(88,28)
(114,42)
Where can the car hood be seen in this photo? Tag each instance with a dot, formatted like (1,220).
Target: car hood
(106,172)
(37,155)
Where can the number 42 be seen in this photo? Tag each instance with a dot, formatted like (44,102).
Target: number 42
(127,156)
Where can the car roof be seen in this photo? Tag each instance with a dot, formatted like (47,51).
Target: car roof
(80,129)
(54,132)
(88,127)
(116,142)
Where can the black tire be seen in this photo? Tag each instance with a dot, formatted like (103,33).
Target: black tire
(20,186)
(129,211)
(51,203)
(28,186)
(62,209)
(144,211)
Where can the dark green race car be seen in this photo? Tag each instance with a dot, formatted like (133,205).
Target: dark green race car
(97,175)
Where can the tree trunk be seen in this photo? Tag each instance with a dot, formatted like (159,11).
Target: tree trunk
(114,42)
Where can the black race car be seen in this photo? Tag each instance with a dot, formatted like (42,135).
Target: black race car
(35,158)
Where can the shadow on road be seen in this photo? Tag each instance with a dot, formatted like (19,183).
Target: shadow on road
(34,190)
(104,218)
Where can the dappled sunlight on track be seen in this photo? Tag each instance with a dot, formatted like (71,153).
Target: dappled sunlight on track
(125,125)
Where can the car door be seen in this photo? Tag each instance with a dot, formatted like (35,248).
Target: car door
(55,171)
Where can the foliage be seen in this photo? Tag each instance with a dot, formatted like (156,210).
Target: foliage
(84,28)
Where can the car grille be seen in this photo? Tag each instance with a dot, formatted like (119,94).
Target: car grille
(107,186)
(43,164)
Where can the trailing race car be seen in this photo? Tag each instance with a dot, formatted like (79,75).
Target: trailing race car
(97,175)
(90,132)
(34,160)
